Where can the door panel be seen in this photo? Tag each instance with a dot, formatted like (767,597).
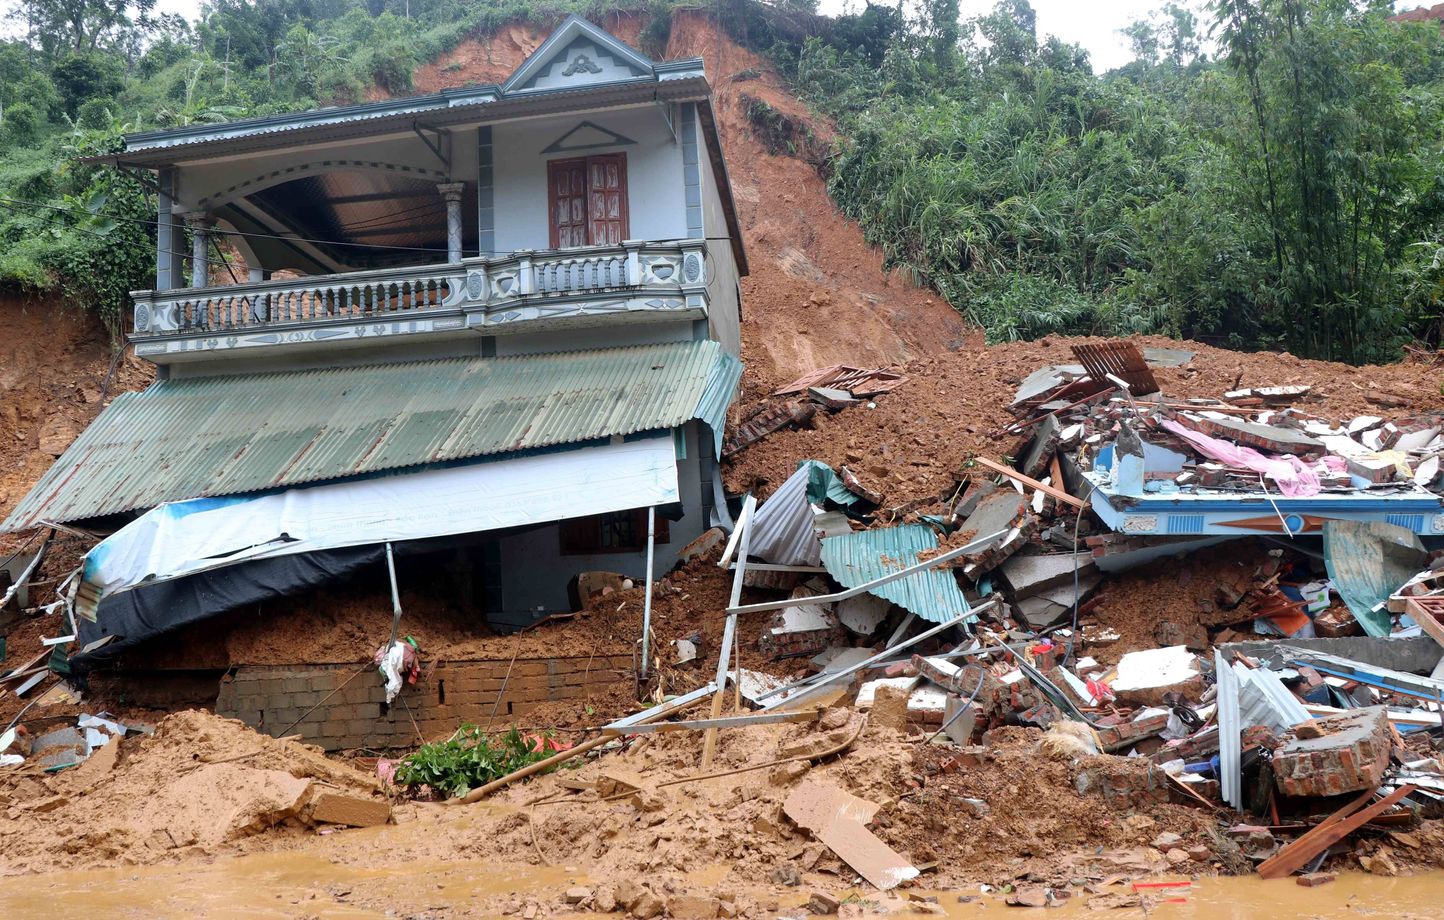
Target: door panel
(607,184)
(567,202)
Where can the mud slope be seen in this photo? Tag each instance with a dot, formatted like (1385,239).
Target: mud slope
(817,293)
(54,362)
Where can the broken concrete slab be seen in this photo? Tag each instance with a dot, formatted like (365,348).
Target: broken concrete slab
(1026,576)
(1046,436)
(1335,755)
(863,613)
(1144,676)
(1003,512)
(838,819)
(1251,434)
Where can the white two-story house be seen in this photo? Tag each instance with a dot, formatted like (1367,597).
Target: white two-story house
(496,323)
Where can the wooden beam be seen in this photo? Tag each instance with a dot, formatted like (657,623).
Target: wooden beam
(1336,827)
(709,740)
(1030,482)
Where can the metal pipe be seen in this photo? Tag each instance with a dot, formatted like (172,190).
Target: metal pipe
(395,596)
(647,596)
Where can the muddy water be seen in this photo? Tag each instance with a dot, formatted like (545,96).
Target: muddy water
(292,885)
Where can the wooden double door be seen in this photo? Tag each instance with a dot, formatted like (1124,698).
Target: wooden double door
(587,200)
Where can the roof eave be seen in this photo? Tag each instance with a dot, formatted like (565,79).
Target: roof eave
(448,108)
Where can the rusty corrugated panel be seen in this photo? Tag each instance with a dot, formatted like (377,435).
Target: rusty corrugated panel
(857,558)
(1120,358)
(226,435)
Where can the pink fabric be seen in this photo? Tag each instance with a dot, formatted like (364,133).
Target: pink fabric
(1294,478)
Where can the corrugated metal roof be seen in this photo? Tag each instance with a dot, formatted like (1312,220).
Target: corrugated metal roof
(857,558)
(782,528)
(226,435)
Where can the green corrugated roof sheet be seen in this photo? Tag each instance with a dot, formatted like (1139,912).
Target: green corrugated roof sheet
(195,437)
(857,558)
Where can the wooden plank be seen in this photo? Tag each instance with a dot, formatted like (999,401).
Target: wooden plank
(1336,827)
(709,740)
(1030,482)
(1425,612)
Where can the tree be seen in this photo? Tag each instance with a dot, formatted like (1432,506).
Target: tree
(80,26)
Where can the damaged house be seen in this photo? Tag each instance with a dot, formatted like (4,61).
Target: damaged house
(498,325)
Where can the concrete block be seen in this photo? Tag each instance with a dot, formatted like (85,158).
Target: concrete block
(367,711)
(1335,755)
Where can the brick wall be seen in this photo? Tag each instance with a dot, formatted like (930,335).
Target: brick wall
(272,698)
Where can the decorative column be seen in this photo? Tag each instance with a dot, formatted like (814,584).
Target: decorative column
(201,226)
(169,267)
(451,191)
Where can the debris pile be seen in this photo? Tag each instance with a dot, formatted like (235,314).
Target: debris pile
(194,785)
(795,404)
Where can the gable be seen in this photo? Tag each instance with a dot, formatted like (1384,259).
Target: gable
(576,55)
(587,136)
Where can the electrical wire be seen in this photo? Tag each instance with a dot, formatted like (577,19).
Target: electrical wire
(15,203)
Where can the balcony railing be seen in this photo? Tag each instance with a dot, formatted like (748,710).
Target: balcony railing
(472,285)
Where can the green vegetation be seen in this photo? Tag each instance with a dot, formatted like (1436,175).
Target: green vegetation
(1263,174)
(470,758)
(1287,195)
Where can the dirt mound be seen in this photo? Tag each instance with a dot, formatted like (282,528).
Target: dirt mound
(953,405)
(1036,821)
(55,376)
(200,785)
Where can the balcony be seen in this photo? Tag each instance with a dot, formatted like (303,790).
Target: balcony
(520,292)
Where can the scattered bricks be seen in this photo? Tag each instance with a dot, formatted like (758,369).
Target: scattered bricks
(647,906)
(1125,734)
(1167,840)
(1335,755)
(605,899)
(693,907)
(1315,879)
(577,895)
(1129,782)
(823,903)
(1260,736)
(49,803)
(972,757)
(350,810)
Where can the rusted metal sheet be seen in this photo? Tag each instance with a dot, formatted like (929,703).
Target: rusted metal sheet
(772,418)
(1121,359)
(857,381)
(226,435)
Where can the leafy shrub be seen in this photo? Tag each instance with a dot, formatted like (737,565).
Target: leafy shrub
(391,68)
(470,758)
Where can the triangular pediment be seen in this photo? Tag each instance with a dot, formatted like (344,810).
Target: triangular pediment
(587,136)
(576,55)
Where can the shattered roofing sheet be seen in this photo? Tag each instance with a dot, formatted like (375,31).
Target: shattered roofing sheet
(209,436)
(857,558)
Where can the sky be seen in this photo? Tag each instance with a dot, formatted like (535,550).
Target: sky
(1094,24)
